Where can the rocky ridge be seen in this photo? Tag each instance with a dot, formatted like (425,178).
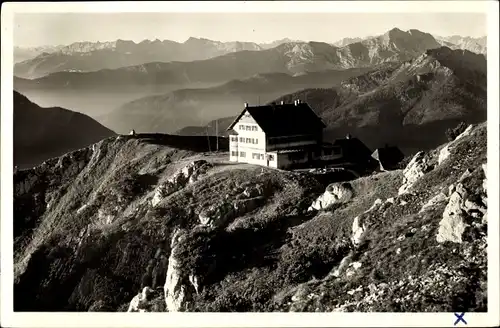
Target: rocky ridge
(221,237)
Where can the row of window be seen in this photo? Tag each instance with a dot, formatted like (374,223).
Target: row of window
(254,141)
(258,156)
(254,155)
(243,127)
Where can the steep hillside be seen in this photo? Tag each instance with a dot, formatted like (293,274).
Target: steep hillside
(131,224)
(170,112)
(42,133)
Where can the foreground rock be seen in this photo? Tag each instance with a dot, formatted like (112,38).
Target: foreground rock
(418,166)
(335,193)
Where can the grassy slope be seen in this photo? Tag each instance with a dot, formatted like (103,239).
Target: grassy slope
(261,259)
(68,257)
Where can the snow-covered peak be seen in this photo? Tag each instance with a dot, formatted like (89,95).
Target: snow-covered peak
(476,45)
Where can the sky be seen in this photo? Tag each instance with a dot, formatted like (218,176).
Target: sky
(36,29)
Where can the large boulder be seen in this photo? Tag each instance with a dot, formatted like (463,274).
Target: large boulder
(335,193)
(359,224)
(459,207)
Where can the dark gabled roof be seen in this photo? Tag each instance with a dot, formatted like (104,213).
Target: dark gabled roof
(284,120)
(354,149)
(354,144)
(389,155)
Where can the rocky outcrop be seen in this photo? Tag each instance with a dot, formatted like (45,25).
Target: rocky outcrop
(187,175)
(138,302)
(417,167)
(439,198)
(444,153)
(217,215)
(459,207)
(175,290)
(335,193)
(359,223)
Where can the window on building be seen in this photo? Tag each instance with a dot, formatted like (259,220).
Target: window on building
(270,157)
(248,127)
(242,139)
(242,154)
(256,156)
(254,128)
(262,156)
(249,140)
(234,153)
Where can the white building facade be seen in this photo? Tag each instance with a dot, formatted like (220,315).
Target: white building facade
(279,136)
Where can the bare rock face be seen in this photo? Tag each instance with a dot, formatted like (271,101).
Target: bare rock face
(217,215)
(465,133)
(344,264)
(439,198)
(176,291)
(453,224)
(187,175)
(335,193)
(352,268)
(358,229)
(138,302)
(417,167)
(444,154)
(359,224)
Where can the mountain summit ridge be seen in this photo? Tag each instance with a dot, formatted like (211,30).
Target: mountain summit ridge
(88,56)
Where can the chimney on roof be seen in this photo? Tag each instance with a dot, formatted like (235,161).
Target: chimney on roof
(246,105)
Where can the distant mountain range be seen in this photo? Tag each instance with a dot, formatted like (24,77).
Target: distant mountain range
(43,133)
(179,108)
(26,53)
(410,105)
(291,58)
(93,56)
(346,41)
(345,53)
(477,45)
